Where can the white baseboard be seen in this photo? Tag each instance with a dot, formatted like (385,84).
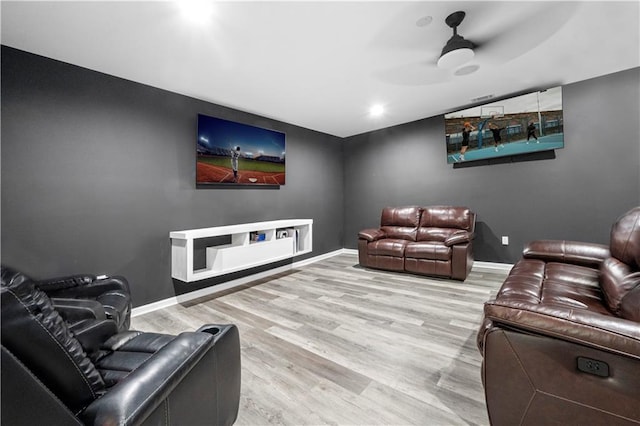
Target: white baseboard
(491,266)
(165,303)
(144,309)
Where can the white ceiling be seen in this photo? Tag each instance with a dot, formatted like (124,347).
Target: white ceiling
(322,64)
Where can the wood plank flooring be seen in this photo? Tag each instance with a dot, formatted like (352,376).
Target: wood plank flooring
(332,343)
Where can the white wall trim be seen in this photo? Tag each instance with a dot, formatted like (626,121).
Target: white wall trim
(161,304)
(165,303)
(491,266)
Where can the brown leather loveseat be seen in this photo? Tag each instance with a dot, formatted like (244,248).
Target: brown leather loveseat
(434,240)
(561,340)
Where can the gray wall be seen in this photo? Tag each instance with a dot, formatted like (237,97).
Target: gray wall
(96,171)
(577,195)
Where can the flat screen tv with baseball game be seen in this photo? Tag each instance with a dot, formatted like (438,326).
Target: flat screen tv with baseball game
(510,127)
(236,154)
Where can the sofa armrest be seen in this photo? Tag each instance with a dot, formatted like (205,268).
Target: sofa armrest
(585,327)
(371,234)
(575,252)
(458,237)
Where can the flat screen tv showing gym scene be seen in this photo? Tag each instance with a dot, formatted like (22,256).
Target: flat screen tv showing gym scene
(230,153)
(513,126)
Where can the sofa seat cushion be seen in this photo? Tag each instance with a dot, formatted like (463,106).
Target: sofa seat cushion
(553,284)
(388,247)
(432,250)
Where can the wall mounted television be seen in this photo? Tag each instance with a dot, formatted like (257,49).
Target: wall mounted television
(523,124)
(236,154)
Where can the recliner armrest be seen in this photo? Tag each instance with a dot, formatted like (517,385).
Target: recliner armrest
(458,237)
(575,252)
(577,325)
(73,310)
(60,283)
(371,234)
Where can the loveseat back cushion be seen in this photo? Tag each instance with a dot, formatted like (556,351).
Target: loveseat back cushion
(400,222)
(448,217)
(35,333)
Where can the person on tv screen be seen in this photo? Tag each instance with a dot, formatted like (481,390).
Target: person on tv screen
(235,154)
(531,131)
(497,139)
(466,132)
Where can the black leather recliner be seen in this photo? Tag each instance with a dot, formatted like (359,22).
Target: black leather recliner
(95,375)
(85,294)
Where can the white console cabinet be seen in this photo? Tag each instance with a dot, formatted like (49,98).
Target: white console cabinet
(252,244)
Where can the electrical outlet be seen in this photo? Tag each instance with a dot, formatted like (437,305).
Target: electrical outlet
(505,240)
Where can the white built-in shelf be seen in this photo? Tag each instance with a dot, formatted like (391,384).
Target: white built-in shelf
(281,239)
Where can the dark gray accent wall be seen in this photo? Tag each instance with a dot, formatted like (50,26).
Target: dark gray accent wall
(577,195)
(97,170)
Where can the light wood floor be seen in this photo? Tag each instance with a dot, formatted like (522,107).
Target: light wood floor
(333,343)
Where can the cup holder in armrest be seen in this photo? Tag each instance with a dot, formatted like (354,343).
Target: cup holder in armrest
(216,330)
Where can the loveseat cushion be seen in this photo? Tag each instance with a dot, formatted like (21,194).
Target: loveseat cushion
(447,217)
(536,282)
(432,250)
(388,247)
(400,222)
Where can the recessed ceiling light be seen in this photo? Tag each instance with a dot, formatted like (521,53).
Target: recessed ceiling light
(424,21)
(196,11)
(376,110)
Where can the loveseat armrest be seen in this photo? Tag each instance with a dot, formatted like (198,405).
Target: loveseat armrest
(580,326)
(575,252)
(458,237)
(371,234)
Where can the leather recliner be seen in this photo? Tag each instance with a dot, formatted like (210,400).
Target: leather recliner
(96,375)
(111,294)
(561,340)
(433,240)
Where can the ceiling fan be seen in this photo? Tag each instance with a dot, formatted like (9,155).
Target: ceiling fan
(458,50)
(496,35)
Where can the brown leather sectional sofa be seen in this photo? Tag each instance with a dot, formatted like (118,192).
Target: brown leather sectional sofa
(561,340)
(434,240)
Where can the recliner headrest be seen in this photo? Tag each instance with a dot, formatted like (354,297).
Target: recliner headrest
(35,333)
(625,239)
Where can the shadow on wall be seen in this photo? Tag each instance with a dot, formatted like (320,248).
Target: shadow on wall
(487,246)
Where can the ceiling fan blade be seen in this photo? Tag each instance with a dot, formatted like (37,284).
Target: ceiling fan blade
(522,34)
(415,74)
